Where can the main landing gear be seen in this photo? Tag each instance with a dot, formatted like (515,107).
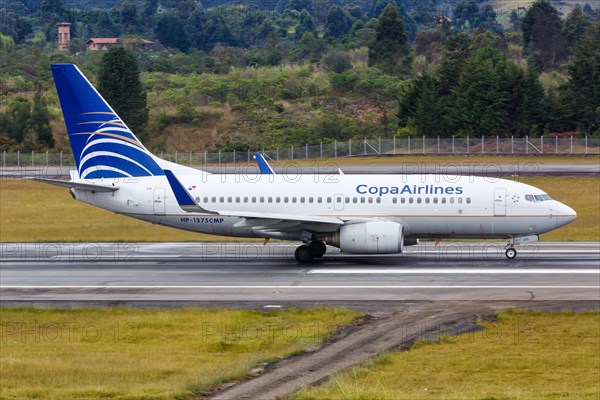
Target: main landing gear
(306,253)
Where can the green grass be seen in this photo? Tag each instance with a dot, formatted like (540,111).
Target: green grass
(37,212)
(146,354)
(522,356)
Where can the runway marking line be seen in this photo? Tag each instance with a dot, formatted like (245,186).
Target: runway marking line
(302,287)
(460,271)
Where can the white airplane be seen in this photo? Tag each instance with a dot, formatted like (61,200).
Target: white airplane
(360,214)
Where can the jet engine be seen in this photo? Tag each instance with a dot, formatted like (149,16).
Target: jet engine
(373,237)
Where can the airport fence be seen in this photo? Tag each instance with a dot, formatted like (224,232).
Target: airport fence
(424,146)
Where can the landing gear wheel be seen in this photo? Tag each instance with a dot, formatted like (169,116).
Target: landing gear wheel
(318,248)
(511,253)
(303,254)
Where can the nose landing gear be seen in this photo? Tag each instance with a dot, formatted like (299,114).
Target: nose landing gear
(305,253)
(511,252)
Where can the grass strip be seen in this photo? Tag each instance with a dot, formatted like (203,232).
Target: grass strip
(121,353)
(523,355)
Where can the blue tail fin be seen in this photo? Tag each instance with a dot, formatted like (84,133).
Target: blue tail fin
(103,146)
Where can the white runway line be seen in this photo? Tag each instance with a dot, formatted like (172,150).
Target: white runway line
(111,287)
(457,271)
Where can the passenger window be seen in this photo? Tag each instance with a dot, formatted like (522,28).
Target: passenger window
(269,199)
(319,200)
(418,200)
(410,200)
(426,200)
(355,200)
(254,199)
(262,199)
(329,200)
(435,200)
(310,199)
(394,200)
(229,200)
(403,200)
(460,200)
(338,199)
(451,200)
(302,199)
(293,199)
(245,199)
(443,200)
(378,199)
(237,199)
(221,199)
(347,200)
(214,199)
(468,200)
(286,199)
(278,199)
(370,200)
(362,200)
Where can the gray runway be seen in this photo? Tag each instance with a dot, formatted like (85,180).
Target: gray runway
(250,272)
(505,169)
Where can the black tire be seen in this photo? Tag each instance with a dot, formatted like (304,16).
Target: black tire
(303,254)
(318,248)
(511,253)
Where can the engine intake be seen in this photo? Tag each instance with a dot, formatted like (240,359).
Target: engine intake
(373,237)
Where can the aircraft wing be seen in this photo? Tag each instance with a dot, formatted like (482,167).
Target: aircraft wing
(78,185)
(187,203)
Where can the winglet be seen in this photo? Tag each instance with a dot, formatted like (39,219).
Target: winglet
(184,199)
(263,165)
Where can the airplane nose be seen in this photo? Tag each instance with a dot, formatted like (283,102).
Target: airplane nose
(565,216)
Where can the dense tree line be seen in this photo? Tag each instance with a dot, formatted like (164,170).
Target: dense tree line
(457,72)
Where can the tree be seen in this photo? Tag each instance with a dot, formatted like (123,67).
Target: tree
(338,22)
(170,31)
(337,61)
(390,50)
(574,27)
(39,122)
(119,83)
(306,24)
(542,35)
(300,5)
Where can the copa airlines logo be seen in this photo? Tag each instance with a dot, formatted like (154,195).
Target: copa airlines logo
(112,151)
(408,189)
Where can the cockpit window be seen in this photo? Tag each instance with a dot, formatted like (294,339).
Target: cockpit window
(536,198)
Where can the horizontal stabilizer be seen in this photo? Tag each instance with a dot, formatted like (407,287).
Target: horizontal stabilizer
(78,185)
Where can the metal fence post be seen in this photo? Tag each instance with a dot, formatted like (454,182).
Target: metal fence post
(364,146)
(512,146)
(438,144)
(18,158)
(571,144)
(335,149)
(278,154)
(233,156)
(468,149)
(46,158)
(556,144)
(452,144)
(394,140)
(423,144)
(175,156)
(248,154)
(350,147)
(586,149)
(542,143)
(292,152)
(321,148)
(204,156)
(32,158)
(219,158)
(4,158)
(482,141)
(379,144)
(306,146)
(61,159)
(408,144)
(526,144)
(497,144)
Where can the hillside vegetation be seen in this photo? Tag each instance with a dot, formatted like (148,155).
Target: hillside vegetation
(262,75)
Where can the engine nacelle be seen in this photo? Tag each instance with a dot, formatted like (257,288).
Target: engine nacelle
(373,237)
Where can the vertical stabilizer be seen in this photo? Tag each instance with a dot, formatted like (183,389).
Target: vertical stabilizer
(103,146)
